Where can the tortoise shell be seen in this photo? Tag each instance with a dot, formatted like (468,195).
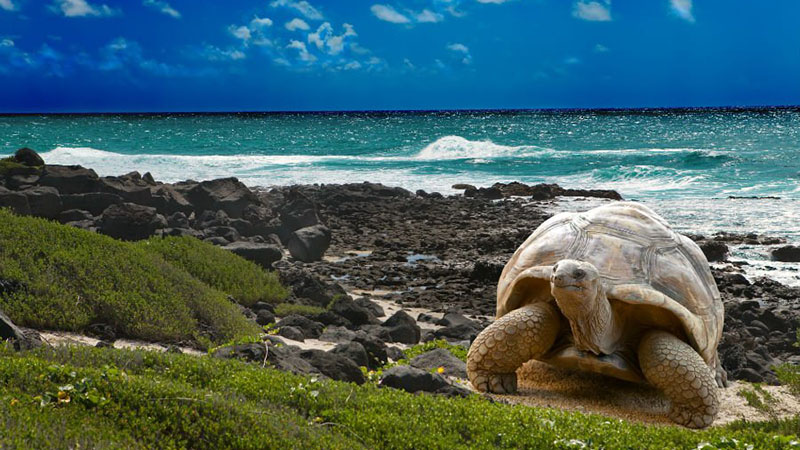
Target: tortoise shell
(641,260)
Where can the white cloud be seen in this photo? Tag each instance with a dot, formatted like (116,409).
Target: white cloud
(6,43)
(81,8)
(326,40)
(457,47)
(352,65)
(496,2)
(213,53)
(163,7)
(303,54)
(259,22)
(600,48)
(428,16)
(572,60)
(388,14)
(592,11)
(297,24)
(683,9)
(8,5)
(303,7)
(241,32)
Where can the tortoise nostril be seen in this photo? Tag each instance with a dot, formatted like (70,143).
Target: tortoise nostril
(578,274)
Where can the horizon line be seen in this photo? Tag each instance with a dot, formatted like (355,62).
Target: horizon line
(736,108)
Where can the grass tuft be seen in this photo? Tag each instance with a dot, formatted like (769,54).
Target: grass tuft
(73,278)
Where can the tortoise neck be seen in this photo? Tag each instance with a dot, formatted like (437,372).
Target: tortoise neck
(593,323)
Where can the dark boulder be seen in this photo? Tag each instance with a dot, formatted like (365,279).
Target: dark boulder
(307,285)
(8,330)
(129,189)
(265,317)
(462,186)
(460,332)
(375,309)
(485,270)
(376,350)
(131,222)
(453,318)
(28,157)
(293,333)
(70,179)
(411,379)
(337,334)
(282,357)
(74,215)
(167,200)
(491,193)
(334,365)
(178,220)
(394,353)
(714,250)
(311,329)
(44,201)
(788,253)
(227,194)
(262,254)
(353,351)
(14,200)
(94,202)
(440,357)
(402,328)
(350,310)
(310,243)
(298,212)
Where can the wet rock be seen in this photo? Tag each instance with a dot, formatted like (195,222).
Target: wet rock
(788,253)
(310,243)
(310,328)
(440,357)
(293,333)
(262,254)
(258,306)
(714,250)
(491,193)
(353,351)
(463,187)
(485,270)
(402,328)
(334,366)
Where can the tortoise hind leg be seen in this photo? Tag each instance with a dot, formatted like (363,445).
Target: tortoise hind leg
(508,343)
(674,367)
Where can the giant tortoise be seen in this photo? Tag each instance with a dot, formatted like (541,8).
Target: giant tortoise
(616,291)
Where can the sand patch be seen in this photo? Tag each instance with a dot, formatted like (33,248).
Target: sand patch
(546,386)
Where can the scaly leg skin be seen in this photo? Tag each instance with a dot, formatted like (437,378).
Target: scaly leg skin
(508,343)
(677,369)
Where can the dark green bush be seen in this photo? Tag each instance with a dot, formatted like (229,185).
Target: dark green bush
(74,278)
(244,280)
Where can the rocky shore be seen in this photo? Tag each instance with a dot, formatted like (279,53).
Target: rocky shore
(347,249)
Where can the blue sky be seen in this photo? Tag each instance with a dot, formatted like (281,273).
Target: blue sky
(204,55)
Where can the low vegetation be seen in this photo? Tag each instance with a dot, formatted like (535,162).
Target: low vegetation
(73,278)
(285,309)
(69,397)
(244,280)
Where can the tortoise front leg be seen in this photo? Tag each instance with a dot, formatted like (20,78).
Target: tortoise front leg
(678,370)
(508,343)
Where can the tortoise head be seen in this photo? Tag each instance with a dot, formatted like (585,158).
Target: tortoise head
(576,286)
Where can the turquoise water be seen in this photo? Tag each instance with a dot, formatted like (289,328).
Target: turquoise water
(683,163)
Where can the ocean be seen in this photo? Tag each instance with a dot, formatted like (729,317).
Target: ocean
(687,164)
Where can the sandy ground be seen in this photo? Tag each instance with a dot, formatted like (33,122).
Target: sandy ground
(544,385)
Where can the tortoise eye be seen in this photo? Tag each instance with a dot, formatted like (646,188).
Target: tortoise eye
(578,274)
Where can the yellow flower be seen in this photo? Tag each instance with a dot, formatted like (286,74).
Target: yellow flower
(14,402)
(440,370)
(63,397)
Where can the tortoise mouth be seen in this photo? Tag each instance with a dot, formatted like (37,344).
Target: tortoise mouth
(568,286)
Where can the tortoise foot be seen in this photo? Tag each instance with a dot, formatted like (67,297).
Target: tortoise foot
(495,383)
(692,417)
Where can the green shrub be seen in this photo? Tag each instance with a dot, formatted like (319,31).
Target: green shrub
(167,400)
(457,350)
(285,309)
(789,375)
(74,278)
(244,280)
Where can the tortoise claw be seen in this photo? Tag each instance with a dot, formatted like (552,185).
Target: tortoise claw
(495,383)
